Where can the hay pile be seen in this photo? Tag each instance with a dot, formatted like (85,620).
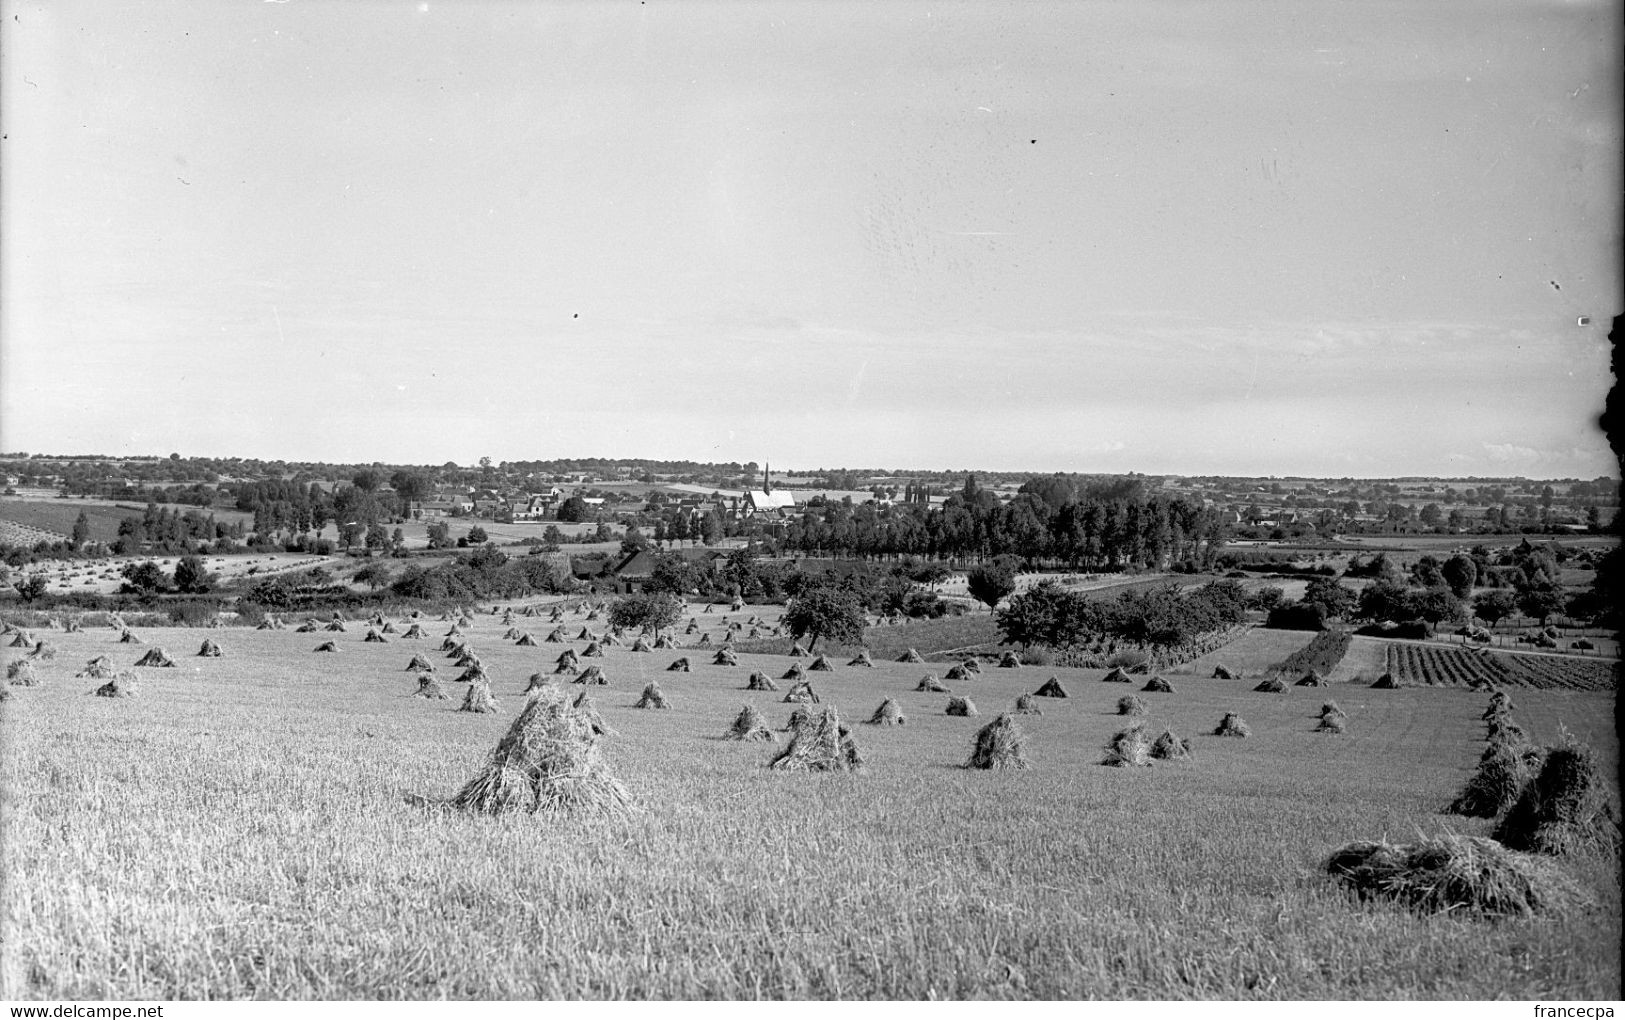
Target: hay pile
(664,643)
(266,624)
(1157,685)
(1130,704)
(589,713)
(1232,725)
(420,663)
(704,642)
(910,656)
(1117,676)
(961,706)
(536,682)
(1312,679)
(1386,682)
(99,668)
(1052,689)
(325,646)
(760,681)
(958,672)
(24,640)
(821,745)
(1027,704)
(554,637)
(592,651)
(525,641)
(547,762)
(156,656)
(474,674)
(336,627)
(126,638)
(43,652)
(1220,672)
(429,687)
(373,637)
(1566,808)
(566,662)
(468,658)
(888,714)
(679,665)
(820,665)
(798,718)
(592,676)
(388,628)
(929,682)
(640,645)
(1170,747)
(802,692)
(1271,686)
(1453,873)
(725,657)
(748,725)
(415,632)
(1009,660)
(1130,747)
(797,650)
(1501,729)
(1332,719)
(862,659)
(586,635)
(21,674)
(510,633)
(999,745)
(478,698)
(795,673)
(119,685)
(1504,769)
(653,697)
(452,646)
(209,649)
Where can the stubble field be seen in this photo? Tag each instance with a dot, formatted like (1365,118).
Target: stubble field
(239,829)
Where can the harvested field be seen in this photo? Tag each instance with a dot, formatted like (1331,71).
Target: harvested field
(240,799)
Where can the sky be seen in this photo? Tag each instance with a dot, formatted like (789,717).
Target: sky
(1296,238)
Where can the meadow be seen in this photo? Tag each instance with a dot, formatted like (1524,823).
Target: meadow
(239,829)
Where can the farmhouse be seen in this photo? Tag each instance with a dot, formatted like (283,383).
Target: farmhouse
(633,571)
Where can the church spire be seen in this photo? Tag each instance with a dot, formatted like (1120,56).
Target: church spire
(767,478)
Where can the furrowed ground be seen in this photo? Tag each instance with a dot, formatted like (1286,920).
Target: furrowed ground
(238,829)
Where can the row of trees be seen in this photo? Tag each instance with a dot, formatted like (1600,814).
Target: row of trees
(1102,527)
(1163,617)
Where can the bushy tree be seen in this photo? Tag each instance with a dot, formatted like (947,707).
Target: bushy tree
(81,529)
(477,536)
(574,509)
(143,578)
(1495,605)
(1334,599)
(654,610)
(32,587)
(1460,573)
(374,575)
(990,582)
(439,535)
(825,610)
(1541,601)
(192,576)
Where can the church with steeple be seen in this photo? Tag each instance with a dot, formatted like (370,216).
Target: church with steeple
(765,502)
